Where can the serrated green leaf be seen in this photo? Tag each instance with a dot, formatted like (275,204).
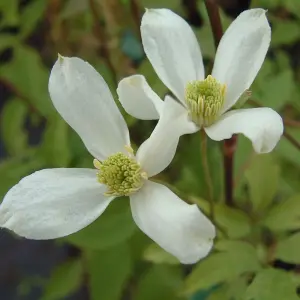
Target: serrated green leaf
(108,272)
(235,222)
(274,88)
(31,15)
(15,168)
(286,150)
(238,258)
(12,126)
(32,81)
(157,255)
(263,179)
(7,41)
(9,13)
(156,84)
(288,249)
(160,282)
(56,142)
(285,215)
(285,32)
(113,227)
(65,279)
(271,284)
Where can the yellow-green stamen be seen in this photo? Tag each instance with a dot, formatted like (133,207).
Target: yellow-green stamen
(205,100)
(121,174)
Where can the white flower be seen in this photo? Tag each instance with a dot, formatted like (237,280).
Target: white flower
(172,49)
(53,203)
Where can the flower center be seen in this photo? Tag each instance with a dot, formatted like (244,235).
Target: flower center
(205,100)
(121,174)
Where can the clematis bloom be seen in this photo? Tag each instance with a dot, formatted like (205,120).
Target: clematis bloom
(174,53)
(53,203)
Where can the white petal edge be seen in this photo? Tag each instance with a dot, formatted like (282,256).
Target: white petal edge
(53,203)
(263,126)
(241,53)
(157,152)
(83,99)
(179,228)
(172,48)
(138,99)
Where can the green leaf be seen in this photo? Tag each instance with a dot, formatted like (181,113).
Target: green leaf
(235,259)
(233,290)
(156,84)
(108,272)
(285,215)
(56,142)
(13,169)
(157,255)
(285,32)
(32,82)
(235,222)
(160,282)
(288,249)
(31,15)
(263,179)
(271,284)
(12,126)
(9,13)
(113,227)
(65,280)
(7,41)
(276,89)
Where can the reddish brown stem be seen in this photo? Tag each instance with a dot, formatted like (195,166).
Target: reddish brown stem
(136,14)
(101,35)
(215,20)
(229,149)
(291,139)
(229,145)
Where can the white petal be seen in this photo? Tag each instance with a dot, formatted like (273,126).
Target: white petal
(157,152)
(263,126)
(53,203)
(172,48)
(241,53)
(83,99)
(176,226)
(138,99)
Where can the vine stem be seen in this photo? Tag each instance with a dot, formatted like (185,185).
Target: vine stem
(101,35)
(207,175)
(230,144)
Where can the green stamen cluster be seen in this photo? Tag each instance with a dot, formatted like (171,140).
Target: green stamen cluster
(205,100)
(121,174)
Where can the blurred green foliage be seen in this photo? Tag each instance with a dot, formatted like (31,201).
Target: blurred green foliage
(116,260)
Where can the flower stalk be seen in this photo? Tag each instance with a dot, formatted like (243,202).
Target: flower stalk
(207,174)
(230,144)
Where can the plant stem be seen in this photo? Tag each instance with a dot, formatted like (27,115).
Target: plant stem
(229,145)
(215,20)
(136,15)
(101,35)
(229,149)
(291,139)
(207,175)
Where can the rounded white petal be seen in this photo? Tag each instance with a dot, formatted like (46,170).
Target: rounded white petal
(172,48)
(179,228)
(241,53)
(157,152)
(53,203)
(263,126)
(83,99)
(138,99)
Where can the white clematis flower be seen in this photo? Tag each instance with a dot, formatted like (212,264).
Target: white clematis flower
(53,203)
(173,50)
